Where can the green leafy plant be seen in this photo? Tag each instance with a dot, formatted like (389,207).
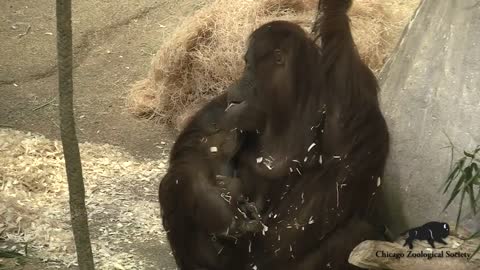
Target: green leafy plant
(464,177)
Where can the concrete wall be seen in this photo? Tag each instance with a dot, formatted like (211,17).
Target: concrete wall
(431,87)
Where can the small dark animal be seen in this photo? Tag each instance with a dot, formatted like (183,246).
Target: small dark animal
(431,231)
(203,206)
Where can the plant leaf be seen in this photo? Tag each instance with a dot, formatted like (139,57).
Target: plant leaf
(477,200)
(474,166)
(468,173)
(475,235)
(460,206)
(468,154)
(455,191)
(471,195)
(475,252)
(453,174)
(470,186)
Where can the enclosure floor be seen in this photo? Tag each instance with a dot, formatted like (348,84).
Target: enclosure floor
(114,42)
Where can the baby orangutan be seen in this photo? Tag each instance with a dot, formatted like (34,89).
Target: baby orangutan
(203,207)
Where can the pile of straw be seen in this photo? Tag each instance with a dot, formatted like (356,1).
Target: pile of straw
(204,54)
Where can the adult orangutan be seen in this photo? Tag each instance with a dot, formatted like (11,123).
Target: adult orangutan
(313,159)
(322,149)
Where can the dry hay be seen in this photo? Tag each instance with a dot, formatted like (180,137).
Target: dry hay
(204,54)
(34,201)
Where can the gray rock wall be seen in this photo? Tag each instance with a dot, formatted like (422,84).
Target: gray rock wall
(430,89)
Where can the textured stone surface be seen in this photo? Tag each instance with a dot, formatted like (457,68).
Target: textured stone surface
(431,89)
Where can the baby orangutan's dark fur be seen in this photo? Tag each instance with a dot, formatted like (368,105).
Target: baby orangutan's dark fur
(203,207)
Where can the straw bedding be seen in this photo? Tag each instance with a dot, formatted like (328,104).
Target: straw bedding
(121,197)
(204,54)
